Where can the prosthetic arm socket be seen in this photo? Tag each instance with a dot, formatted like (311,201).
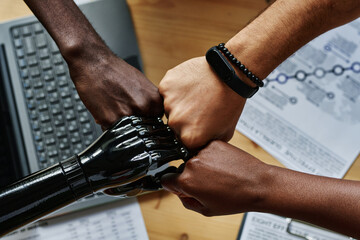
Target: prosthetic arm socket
(118,163)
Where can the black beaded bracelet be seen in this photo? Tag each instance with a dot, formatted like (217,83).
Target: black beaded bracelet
(241,66)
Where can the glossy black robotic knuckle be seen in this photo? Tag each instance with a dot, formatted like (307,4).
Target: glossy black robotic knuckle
(156,142)
(147,130)
(146,120)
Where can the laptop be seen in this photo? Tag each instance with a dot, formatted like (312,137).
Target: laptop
(43,120)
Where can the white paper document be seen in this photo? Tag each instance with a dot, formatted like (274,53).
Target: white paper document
(308,114)
(308,117)
(120,220)
(271,227)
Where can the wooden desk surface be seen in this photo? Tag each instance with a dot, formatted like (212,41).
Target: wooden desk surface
(170,32)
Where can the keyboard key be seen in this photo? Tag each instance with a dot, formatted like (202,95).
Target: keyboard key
(61,134)
(40,147)
(81,108)
(32,61)
(38,83)
(88,140)
(20,53)
(22,63)
(76,97)
(43,107)
(40,40)
(35,125)
(40,94)
(31,105)
(65,94)
(33,115)
(26,84)
(68,103)
(60,70)
(26,31)
(53,160)
(84,117)
(44,117)
(46,64)
(29,94)
(64,144)
(86,129)
(50,141)
(54,48)
(47,128)
(57,59)
(42,158)
(50,87)
(15,32)
(66,154)
(44,53)
(18,43)
(78,148)
(24,73)
(37,136)
(59,120)
(35,72)
(62,81)
(75,140)
(55,110)
(37,28)
(48,76)
(52,151)
(54,97)
(29,45)
(73,127)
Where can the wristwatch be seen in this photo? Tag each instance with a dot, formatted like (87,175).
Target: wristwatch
(227,74)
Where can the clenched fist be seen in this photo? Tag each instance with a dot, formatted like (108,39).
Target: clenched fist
(199,106)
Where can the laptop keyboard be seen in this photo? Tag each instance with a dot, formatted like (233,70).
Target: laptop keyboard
(61,125)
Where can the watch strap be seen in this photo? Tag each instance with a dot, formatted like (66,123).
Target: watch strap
(227,74)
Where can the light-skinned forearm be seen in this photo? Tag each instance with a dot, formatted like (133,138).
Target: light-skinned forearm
(327,202)
(286,26)
(69,28)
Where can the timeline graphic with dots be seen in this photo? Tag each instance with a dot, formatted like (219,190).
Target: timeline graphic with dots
(301,75)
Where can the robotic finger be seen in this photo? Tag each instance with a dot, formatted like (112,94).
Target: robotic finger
(143,185)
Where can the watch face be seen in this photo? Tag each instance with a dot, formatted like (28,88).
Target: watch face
(220,65)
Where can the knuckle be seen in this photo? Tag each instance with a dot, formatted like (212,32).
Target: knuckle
(192,163)
(186,183)
(162,87)
(215,144)
(190,140)
(173,122)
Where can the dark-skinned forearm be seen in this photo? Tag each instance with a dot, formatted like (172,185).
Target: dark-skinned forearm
(327,202)
(68,27)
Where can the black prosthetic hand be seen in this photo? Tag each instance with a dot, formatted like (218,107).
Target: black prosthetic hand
(123,161)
